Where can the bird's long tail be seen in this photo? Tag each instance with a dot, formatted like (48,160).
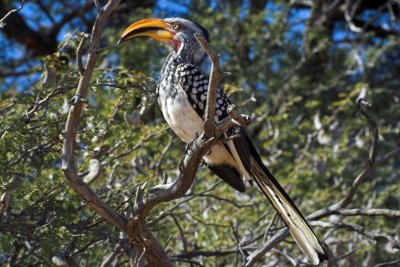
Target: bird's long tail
(291,216)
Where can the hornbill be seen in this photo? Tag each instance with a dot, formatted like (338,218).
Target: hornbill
(182,95)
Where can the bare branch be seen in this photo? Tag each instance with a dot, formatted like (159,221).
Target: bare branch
(391,154)
(339,207)
(181,233)
(215,78)
(361,230)
(195,150)
(349,15)
(371,165)
(203,253)
(40,103)
(272,242)
(135,227)
(369,212)
(79,54)
(232,120)
(389,263)
(3,20)
(69,167)
(161,158)
(107,261)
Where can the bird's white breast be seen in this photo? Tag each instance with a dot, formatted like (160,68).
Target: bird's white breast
(180,115)
(186,123)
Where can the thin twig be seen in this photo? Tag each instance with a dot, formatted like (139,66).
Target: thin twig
(388,263)
(272,242)
(79,54)
(215,78)
(162,156)
(369,212)
(40,103)
(181,233)
(339,207)
(370,166)
(3,20)
(232,120)
(361,230)
(69,167)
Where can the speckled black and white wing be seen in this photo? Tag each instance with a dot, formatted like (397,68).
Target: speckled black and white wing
(195,84)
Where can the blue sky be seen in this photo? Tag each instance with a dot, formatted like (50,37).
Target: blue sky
(163,8)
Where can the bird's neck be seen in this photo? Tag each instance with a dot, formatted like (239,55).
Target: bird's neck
(170,64)
(189,51)
(176,58)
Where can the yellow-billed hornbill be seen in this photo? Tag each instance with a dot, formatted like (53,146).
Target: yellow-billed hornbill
(182,95)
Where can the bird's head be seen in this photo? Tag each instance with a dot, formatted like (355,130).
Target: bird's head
(178,33)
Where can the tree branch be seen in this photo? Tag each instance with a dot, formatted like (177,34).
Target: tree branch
(361,230)
(339,207)
(3,20)
(79,52)
(69,167)
(215,78)
(368,212)
(260,252)
(135,226)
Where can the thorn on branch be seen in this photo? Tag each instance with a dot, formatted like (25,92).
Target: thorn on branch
(188,147)
(139,194)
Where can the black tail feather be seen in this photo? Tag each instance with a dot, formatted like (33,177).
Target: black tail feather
(287,210)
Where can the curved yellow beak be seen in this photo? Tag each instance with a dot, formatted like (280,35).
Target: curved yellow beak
(153,28)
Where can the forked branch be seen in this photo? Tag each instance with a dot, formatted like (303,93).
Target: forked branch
(135,227)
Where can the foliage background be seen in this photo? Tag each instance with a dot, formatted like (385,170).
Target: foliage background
(298,67)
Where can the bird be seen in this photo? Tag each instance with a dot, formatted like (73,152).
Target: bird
(182,95)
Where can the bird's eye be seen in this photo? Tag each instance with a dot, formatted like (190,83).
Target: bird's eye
(175,26)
